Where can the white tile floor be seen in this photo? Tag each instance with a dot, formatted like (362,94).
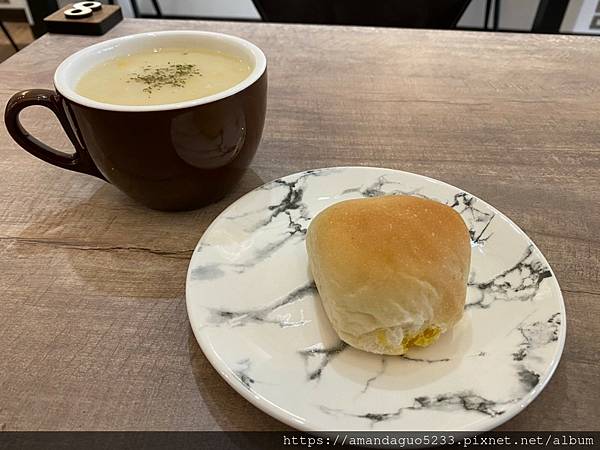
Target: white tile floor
(514,14)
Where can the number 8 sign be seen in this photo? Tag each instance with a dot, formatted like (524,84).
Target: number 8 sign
(82,10)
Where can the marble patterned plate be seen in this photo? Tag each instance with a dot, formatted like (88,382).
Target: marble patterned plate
(257,316)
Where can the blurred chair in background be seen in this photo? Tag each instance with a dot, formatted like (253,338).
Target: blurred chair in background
(549,16)
(441,14)
(136,9)
(9,37)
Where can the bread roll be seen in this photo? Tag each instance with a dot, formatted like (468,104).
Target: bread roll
(391,271)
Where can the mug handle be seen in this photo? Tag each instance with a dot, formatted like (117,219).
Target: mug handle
(80,161)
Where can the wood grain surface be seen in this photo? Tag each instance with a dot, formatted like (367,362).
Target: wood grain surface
(93,324)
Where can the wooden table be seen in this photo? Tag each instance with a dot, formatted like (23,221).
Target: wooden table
(93,323)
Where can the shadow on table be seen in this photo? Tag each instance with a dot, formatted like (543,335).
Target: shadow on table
(111,246)
(228,408)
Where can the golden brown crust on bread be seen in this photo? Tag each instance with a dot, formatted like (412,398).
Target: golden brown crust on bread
(391,262)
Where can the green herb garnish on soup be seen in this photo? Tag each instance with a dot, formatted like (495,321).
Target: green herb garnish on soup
(161,76)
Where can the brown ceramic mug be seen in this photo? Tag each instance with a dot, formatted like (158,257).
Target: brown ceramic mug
(174,156)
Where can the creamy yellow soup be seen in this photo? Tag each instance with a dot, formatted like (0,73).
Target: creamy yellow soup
(163,75)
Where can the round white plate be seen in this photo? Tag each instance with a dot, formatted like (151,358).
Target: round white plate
(258,318)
